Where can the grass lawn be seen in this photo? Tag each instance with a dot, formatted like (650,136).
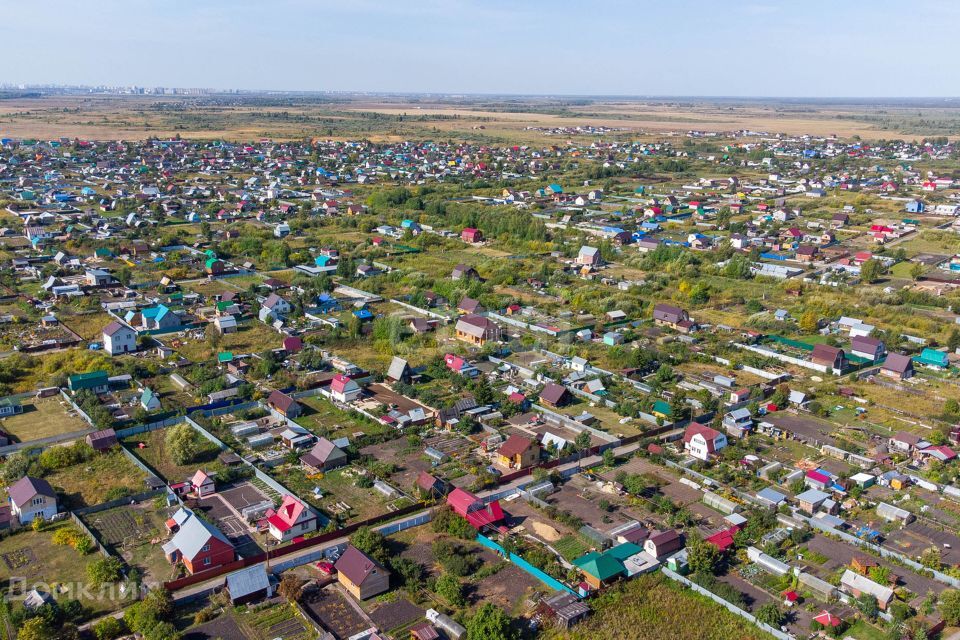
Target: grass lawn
(88,325)
(651,607)
(339,491)
(252,337)
(106,477)
(570,547)
(862,630)
(155,456)
(324,419)
(42,418)
(32,555)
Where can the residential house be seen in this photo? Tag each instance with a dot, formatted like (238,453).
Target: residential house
(518,452)
(119,338)
(674,317)
(202,484)
(95,381)
(555,395)
(589,256)
(897,366)
(477,330)
(102,440)
(471,235)
(284,404)
(398,371)
(858,585)
(197,543)
(464,272)
(738,423)
(291,519)
(662,543)
(32,498)
(469,306)
(867,347)
(251,584)
(361,575)
(324,456)
(344,389)
(702,442)
(833,358)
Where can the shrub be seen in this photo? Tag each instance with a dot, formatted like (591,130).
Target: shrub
(104,570)
(109,628)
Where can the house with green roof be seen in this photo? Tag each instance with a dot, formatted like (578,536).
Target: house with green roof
(10,407)
(159,317)
(599,569)
(96,381)
(932,358)
(149,400)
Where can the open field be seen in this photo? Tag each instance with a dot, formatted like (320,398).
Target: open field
(105,477)
(652,607)
(42,418)
(481,118)
(155,456)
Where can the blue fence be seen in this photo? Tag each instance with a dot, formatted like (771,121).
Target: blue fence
(550,581)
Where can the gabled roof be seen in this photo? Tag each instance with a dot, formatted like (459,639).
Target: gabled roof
(194,533)
(356,566)
(247,581)
(23,490)
(515,445)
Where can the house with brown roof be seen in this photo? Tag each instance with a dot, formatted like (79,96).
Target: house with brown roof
(324,456)
(867,347)
(831,357)
(102,440)
(284,404)
(361,575)
(897,366)
(667,315)
(32,498)
(518,452)
(477,330)
(469,305)
(555,395)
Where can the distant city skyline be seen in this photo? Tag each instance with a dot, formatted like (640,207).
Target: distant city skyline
(611,47)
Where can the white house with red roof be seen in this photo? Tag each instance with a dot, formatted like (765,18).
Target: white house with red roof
(202,484)
(293,518)
(344,389)
(701,442)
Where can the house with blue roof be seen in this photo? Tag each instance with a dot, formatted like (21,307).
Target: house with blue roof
(159,317)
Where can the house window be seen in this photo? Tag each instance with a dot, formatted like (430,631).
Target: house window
(206,561)
(303,527)
(205,547)
(37,502)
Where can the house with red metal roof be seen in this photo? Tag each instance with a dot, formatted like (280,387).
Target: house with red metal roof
(478,514)
(344,389)
(701,441)
(291,519)
(202,484)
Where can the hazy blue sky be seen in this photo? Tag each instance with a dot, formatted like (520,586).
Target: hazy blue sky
(639,47)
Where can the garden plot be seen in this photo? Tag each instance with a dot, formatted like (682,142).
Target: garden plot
(335,612)
(32,556)
(135,532)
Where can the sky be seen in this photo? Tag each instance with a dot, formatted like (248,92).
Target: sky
(804,48)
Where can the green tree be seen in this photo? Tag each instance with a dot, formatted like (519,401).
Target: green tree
(182,444)
(770,614)
(104,570)
(34,629)
(109,628)
(450,589)
(916,270)
(702,556)
(490,623)
(950,606)
(871,270)
(809,321)
(371,543)
(868,606)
